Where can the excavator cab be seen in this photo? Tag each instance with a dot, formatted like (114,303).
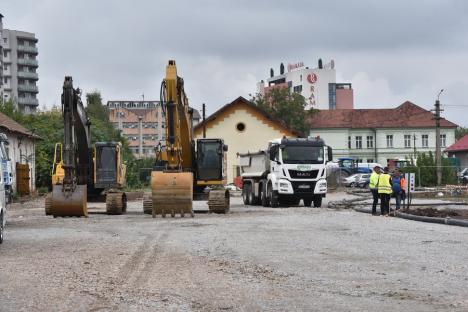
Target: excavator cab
(108,165)
(210,160)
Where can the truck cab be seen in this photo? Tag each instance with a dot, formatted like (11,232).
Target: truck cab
(297,170)
(3,182)
(6,173)
(290,170)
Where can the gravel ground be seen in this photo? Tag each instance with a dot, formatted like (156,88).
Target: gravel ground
(252,259)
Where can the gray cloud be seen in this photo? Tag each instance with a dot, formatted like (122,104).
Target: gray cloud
(391,52)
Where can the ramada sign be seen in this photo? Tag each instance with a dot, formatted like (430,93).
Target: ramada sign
(295,66)
(312,78)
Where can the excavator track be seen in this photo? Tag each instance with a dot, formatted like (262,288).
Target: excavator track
(171,193)
(116,203)
(218,201)
(48,204)
(147,204)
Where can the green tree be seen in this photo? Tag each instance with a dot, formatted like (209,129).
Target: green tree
(460,132)
(285,106)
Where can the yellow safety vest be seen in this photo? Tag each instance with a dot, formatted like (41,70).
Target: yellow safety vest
(384,186)
(374,180)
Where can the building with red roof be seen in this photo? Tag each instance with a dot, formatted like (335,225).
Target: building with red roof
(459,150)
(378,135)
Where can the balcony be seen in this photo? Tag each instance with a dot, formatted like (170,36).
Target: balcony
(28,88)
(28,101)
(28,75)
(28,49)
(28,62)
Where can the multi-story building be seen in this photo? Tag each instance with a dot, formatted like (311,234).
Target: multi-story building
(317,85)
(142,124)
(19,64)
(378,135)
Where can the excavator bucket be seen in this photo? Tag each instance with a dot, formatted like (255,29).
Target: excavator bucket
(171,193)
(69,204)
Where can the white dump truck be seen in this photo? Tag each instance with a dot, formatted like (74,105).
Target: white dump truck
(287,171)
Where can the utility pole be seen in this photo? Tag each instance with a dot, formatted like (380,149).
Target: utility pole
(437,118)
(204,125)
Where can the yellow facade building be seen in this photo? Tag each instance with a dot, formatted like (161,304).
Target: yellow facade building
(244,128)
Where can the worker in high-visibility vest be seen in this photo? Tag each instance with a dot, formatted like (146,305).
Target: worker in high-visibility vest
(385,191)
(373,183)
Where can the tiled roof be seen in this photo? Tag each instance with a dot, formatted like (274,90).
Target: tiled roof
(6,123)
(460,145)
(407,115)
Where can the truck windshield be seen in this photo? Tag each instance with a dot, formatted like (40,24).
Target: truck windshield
(302,155)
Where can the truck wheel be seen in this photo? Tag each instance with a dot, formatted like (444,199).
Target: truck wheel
(317,201)
(273,196)
(307,202)
(264,196)
(246,194)
(1,227)
(252,199)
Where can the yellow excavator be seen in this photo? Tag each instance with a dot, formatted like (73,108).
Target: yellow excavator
(80,170)
(182,165)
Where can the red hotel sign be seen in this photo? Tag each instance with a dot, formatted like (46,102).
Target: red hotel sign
(312,78)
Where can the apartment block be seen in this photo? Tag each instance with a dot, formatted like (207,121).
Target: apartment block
(19,65)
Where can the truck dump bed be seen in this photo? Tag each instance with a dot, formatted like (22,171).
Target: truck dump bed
(254,164)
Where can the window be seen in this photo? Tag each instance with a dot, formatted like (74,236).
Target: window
(443,140)
(358,142)
(5,67)
(389,140)
(370,160)
(5,53)
(370,141)
(5,40)
(425,140)
(407,140)
(240,127)
(349,142)
(297,89)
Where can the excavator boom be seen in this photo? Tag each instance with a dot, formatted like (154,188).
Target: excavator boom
(70,196)
(172,181)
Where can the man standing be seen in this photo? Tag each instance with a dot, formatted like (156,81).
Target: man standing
(385,190)
(396,188)
(373,183)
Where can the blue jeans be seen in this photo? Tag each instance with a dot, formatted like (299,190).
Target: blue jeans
(397,200)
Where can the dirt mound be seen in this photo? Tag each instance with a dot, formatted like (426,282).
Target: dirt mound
(433,212)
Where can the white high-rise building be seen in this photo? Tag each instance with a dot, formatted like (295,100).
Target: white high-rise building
(317,85)
(19,65)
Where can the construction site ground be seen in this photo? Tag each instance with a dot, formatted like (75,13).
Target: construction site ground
(252,259)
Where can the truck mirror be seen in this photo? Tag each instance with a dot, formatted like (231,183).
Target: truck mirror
(273,152)
(225,148)
(330,153)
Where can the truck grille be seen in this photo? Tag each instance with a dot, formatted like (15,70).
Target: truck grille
(296,174)
(303,187)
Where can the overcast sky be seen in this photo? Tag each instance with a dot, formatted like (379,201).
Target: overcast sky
(406,50)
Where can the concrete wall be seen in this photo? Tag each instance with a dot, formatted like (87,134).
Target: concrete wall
(344,99)
(21,150)
(255,137)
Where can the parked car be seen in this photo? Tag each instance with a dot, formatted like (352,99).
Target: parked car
(232,187)
(351,180)
(463,176)
(363,181)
